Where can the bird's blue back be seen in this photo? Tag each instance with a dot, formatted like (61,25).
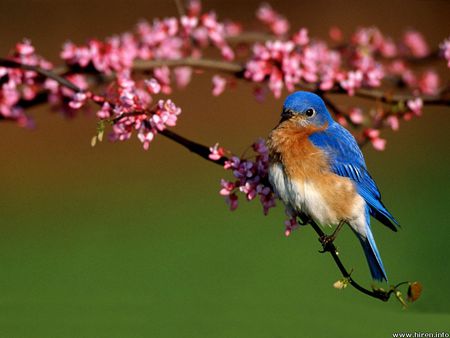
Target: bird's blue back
(346,160)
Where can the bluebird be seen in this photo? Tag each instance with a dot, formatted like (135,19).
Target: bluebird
(318,171)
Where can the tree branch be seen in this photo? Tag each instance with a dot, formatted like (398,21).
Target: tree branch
(194,147)
(238,70)
(197,148)
(331,248)
(203,151)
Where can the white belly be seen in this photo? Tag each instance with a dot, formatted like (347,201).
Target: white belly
(304,196)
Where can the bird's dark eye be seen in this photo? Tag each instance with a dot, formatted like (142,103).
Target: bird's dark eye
(310,112)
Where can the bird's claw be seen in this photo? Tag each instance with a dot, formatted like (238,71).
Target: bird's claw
(327,243)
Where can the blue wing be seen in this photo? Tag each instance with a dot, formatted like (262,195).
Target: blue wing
(347,160)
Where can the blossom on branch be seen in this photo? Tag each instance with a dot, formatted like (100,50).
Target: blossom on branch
(277,23)
(17,84)
(445,47)
(251,176)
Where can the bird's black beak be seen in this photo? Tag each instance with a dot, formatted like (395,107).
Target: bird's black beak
(286,115)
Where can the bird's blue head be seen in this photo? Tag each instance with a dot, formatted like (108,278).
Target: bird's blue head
(306,109)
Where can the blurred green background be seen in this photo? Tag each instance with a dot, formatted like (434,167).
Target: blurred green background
(113,241)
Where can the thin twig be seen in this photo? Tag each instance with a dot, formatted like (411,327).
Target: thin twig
(219,65)
(336,110)
(43,72)
(331,248)
(180,8)
(194,147)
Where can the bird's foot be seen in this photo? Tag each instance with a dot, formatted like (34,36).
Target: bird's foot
(302,219)
(327,243)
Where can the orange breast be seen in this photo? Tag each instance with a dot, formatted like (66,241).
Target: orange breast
(307,166)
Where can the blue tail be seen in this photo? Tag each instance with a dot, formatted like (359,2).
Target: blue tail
(372,255)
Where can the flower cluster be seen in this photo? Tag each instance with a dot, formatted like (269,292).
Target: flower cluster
(113,54)
(18,85)
(291,223)
(368,59)
(298,61)
(128,107)
(250,177)
(169,38)
(65,99)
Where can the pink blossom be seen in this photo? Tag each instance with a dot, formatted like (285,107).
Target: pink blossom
(227,187)
(105,112)
(301,37)
(194,7)
(445,47)
(153,86)
(408,116)
(393,122)
(166,113)
(429,83)
(188,23)
(232,28)
(416,44)
(335,34)
(415,105)
(409,78)
(249,189)
(341,119)
(232,201)
(162,74)
(378,144)
(368,37)
(277,23)
(374,75)
(291,224)
(146,136)
(78,100)
(182,76)
(352,81)
(25,48)
(388,48)
(216,152)
(397,67)
(374,137)
(219,84)
(232,163)
(356,115)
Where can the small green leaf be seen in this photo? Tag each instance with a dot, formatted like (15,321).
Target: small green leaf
(100,135)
